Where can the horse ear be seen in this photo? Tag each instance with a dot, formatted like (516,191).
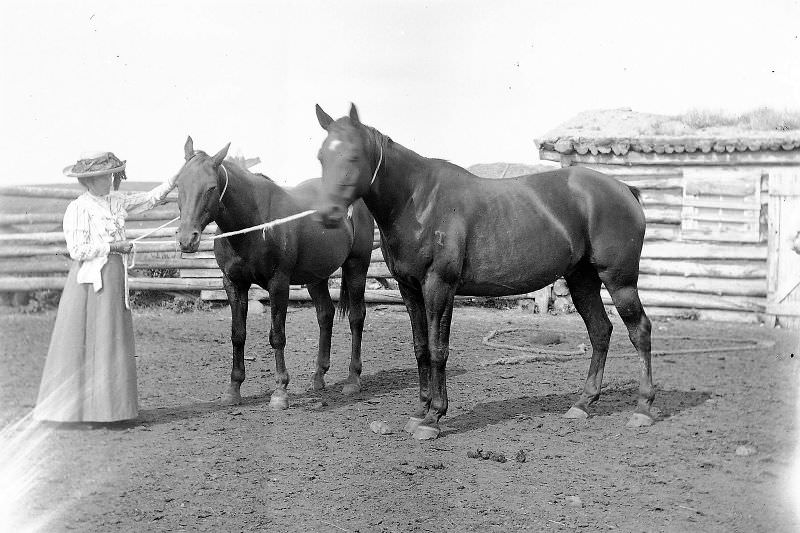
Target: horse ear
(220,156)
(324,118)
(354,113)
(188,148)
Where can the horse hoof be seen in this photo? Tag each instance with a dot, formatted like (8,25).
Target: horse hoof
(425,432)
(317,384)
(576,413)
(638,420)
(230,399)
(412,425)
(351,388)
(279,402)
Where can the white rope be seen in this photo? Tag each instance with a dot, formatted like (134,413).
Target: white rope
(130,258)
(265,226)
(132,254)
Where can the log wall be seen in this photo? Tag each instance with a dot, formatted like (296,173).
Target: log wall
(705,252)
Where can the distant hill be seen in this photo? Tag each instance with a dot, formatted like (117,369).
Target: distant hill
(508,170)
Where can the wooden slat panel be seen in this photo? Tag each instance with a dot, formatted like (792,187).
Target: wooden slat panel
(705,268)
(674,182)
(704,284)
(722,182)
(721,205)
(662,214)
(672,197)
(715,315)
(698,250)
(692,300)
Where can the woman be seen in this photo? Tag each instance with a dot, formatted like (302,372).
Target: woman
(90,372)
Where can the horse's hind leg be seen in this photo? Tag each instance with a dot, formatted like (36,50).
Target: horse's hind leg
(355,272)
(626,300)
(584,287)
(325,312)
(237,298)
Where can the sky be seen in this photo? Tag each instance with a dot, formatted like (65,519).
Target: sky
(468,81)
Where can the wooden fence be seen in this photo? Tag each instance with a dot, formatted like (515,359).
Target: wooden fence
(33,254)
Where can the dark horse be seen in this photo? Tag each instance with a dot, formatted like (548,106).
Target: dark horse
(298,252)
(445,232)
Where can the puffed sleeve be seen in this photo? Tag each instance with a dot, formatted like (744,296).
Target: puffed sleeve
(76,232)
(138,202)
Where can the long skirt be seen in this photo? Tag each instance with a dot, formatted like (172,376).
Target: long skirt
(90,372)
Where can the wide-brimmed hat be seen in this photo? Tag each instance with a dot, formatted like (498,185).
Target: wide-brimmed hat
(95,164)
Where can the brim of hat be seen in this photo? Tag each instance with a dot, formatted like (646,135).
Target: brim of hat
(68,172)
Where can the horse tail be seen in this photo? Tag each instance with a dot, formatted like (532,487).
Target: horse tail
(636,194)
(344,297)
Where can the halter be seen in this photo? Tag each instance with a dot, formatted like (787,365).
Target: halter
(225,188)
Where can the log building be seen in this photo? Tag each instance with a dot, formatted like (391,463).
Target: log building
(722,206)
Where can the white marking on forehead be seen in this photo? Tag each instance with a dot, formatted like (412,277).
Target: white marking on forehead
(333,144)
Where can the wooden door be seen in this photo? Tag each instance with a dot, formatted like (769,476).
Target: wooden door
(783,262)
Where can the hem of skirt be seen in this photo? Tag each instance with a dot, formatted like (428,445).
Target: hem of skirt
(99,420)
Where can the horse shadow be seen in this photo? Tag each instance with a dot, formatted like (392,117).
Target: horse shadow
(330,398)
(668,403)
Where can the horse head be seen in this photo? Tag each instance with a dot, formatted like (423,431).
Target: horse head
(347,165)
(200,189)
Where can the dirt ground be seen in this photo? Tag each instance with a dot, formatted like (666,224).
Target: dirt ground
(718,459)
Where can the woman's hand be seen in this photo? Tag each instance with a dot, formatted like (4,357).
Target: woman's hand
(121,247)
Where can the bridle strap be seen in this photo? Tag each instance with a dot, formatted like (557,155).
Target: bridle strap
(377,168)
(225,171)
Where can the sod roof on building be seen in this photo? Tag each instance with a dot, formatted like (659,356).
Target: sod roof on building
(620,131)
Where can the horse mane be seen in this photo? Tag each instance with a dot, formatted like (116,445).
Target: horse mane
(379,140)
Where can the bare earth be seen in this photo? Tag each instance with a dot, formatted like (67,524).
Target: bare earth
(190,464)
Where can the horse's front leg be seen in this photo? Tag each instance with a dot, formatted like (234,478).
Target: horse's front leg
(325,313)
(415,306)
(438,296)
(278,301)
(354,281)
(237,298)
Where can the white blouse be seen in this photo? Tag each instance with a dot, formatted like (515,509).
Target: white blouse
(92,222)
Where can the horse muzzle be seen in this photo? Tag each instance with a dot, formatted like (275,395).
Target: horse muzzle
(330,216)
(189,241)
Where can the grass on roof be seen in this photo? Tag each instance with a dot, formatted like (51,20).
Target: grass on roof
(760,119)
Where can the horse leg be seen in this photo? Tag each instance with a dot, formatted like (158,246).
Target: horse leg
(584,286)
(438,296)
(237,298)
(278,301)
(354,271)
(415,306)
(626,300)
(325,312)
